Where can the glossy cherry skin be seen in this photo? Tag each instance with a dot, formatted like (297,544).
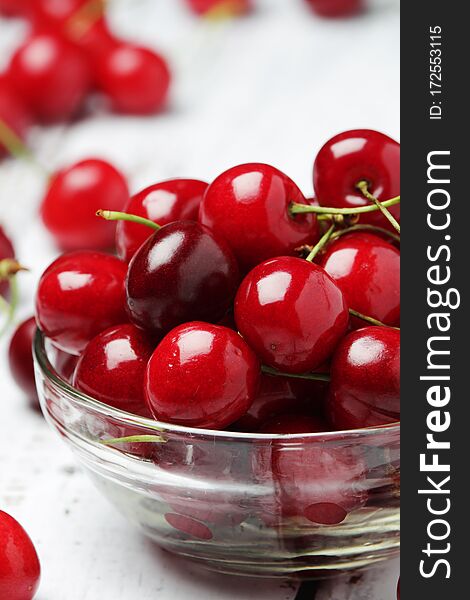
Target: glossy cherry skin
(75,193)
(354,156)
(51,75)
(13,113)
(162,203)
(248,205)
(313,480)
(365,379)
(112,368)
(136,80)
(20,570)
(292,313)
(367,269)
(6,251)
(79,295)
(181,273)
(235,7)
(20,358)
(201,375)
(336,8)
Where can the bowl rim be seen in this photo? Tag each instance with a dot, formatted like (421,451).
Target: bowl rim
(84,400)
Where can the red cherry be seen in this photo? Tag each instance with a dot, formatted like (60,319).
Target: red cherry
(13,113)
(135,79)
(20,570)
(181,273)
(76,192)
(20,358)
(201,375)
(365,379)
(112,367)
(367,269)
(6,251)
(294,422)
(162,203)
(14,8)
(313,480)
(234,7)
(248,205)
(51,75)
(398,589)
(292,313)
(79,295)
(352,157)
(336,8)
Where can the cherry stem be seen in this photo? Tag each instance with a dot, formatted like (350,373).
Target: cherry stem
(313,376)
(10,267)
(363,187)
(17,148)
(365,227)
(223,10)
(84,18)
(143,439)
(321,243)
(11,306)
(112,215)
(298,209)
(368,319)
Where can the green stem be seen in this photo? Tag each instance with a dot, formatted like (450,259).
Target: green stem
(297,209)
(84,18)
(144,439)
(10,267)
(368,319)
(363,187)
(365,227)
(321,243)
(112,215)
(312,376)
(14,299)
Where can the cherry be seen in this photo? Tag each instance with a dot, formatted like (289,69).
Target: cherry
(201,375)
(14,8)
(367,269)
(75,194)
(51,75)
(336,8)
(292,313)
(20,570)
(6,251)
(162,203)
(79,295)
(233,7)
(135,79)
(111,368)
(351,158)
(248,205)
(13,113)
(181,273)
(398,589)
(20,358)
(313,480)
(365,379)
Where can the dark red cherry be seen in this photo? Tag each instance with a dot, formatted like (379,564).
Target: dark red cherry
(336,8)
(52,76)
(201,375)
(79,295)
(14,8)
(20,358)
(111,369)
(20,570)
(75,193)
(318,482)
(352,157)
(6,251)
(162,203)
(365,379)
(135,79)
(181,273)
(248,205)
(292,313)
(233,7)
(294,422)
(367,269)
(13,113)
(398,589)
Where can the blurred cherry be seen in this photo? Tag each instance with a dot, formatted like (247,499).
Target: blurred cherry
(6,251)
(20,358)
(13,114)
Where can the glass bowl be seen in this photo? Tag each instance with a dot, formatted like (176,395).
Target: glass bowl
(300,506)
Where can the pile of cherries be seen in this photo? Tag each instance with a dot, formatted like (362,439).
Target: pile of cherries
(323,8)
(69,53)
(211,316)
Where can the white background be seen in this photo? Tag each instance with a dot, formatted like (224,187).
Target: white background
(269,88)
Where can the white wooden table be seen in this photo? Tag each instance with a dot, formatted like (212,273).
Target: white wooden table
(270,88)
